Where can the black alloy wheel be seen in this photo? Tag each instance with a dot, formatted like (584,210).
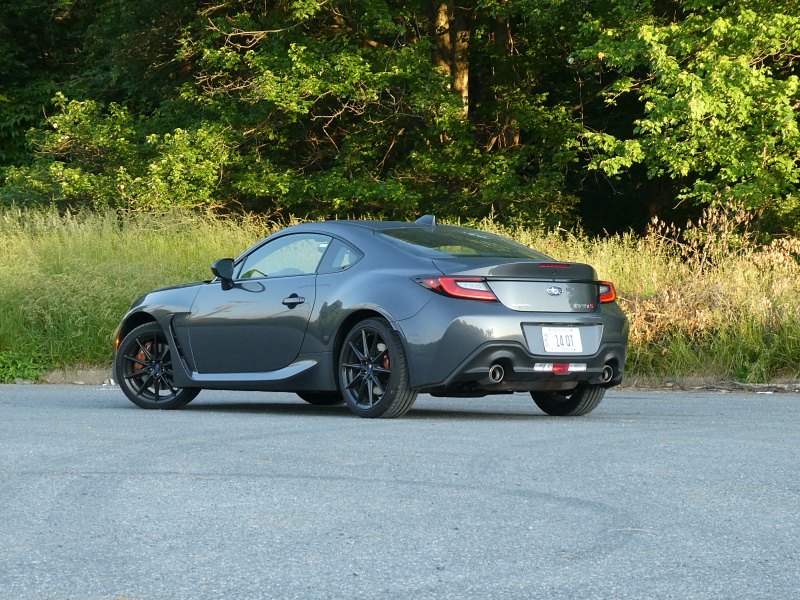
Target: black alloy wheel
(580,401)
(373,372)
(143,369)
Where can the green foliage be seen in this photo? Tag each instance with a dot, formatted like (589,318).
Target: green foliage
(720,94)
(96,158)
(376,127)
(26,82)
(610,110)
(21,365)
(317,109)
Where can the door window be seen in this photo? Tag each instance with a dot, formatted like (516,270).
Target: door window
(297,254)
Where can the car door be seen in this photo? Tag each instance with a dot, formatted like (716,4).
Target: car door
(258,325)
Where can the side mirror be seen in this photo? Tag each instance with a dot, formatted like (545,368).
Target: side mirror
(223,268)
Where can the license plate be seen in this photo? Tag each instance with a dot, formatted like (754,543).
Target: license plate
(562,340)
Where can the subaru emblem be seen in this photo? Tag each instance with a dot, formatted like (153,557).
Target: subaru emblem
(554,290)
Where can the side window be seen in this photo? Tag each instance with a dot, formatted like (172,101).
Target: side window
(340,257)
(297,254)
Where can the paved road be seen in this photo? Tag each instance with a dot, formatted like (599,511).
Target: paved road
(654,495)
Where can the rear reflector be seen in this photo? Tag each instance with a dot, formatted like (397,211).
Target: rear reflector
(559,368)
(473,288)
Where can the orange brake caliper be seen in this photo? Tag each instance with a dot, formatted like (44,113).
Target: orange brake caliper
(142,356)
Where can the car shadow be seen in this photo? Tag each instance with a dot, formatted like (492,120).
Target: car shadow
(431,413)
(341,411)
(282,408)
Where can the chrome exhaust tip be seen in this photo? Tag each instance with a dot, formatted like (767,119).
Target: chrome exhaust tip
(496,373)
(608,373)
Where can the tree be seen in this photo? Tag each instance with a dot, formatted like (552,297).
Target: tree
(533,111)
(37,54)
(366,107)
(718,86)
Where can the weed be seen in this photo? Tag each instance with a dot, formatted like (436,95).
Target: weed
(18,365)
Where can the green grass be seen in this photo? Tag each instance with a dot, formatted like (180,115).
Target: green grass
(65,282)
(707,302)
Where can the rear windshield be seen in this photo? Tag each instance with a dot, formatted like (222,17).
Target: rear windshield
(450,242)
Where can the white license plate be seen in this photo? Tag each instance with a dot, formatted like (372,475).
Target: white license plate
(562,340)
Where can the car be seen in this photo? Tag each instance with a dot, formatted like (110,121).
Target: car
(372,313)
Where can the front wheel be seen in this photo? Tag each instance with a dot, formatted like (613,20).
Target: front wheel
(373,371)
(580,401)
(143,369)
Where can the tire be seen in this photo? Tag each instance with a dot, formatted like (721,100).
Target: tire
(322,398)
(143,369)
(373,371)
(580,401)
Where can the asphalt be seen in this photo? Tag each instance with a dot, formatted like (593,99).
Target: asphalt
(653,495)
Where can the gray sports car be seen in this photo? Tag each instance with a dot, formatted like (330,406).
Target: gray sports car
(371,313)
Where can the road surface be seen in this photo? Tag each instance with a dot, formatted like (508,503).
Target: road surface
(256,495)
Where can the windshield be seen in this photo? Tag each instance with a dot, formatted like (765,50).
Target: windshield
(458,242)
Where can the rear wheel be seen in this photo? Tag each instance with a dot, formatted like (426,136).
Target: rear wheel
(580,401)
(322,398)
(373,372)
(143,369)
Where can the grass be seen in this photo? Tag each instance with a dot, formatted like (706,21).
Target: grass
(66,281)
(704,302)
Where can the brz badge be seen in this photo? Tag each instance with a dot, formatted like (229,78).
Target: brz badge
(554,290)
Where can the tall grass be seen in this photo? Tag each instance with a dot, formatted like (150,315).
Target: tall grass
(65,281)
(704,302)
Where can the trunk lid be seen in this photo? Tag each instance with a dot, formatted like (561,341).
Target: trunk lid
(530,286)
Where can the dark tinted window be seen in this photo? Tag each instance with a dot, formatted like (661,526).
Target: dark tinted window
(443,242)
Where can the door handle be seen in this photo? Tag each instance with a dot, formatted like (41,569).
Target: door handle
(293,300)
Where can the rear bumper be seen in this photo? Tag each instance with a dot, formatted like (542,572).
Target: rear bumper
(522,371)
(451,350)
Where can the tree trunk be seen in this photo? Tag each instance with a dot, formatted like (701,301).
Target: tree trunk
(441,33)
(507,127)
(452,28)
(462,17)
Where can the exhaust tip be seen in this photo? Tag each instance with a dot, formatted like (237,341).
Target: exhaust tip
(496,373)
(608,373)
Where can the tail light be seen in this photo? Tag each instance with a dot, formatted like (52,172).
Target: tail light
(473,288)
(607,292)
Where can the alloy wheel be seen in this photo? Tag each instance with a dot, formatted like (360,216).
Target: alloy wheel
(143,367)
(367,367)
